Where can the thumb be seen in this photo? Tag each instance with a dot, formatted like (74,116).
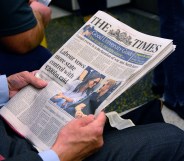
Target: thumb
(36,82)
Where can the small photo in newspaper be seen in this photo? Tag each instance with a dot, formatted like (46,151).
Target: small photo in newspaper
(85,94)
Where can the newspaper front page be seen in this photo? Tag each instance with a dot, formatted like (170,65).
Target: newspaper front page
(98,63)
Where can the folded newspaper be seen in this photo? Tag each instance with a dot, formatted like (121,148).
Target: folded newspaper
(97,64)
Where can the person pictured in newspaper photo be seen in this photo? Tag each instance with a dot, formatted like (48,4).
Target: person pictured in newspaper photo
(98,97)
(87,30)
(89,138)
(78,90)
(89,104)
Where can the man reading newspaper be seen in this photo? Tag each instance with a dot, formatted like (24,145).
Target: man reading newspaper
(88,138)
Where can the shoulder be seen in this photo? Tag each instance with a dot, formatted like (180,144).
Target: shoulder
(14,22)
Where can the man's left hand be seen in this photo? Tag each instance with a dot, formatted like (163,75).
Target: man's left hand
(17,81)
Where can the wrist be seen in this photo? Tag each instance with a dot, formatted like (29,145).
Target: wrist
(49,155)
(58,150)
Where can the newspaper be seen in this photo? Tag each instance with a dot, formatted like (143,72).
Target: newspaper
(45,2)
(98,63)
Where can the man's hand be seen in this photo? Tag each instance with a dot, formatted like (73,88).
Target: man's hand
(80,138)
(44,11)
(30,1)
(22,79)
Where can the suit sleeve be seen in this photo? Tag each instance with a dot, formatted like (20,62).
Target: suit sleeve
(28,156)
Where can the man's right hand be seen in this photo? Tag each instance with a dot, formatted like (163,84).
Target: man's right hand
(80,138)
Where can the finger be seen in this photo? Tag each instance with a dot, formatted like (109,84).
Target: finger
(97,126)
(86,120)
(34,72)
(100,120)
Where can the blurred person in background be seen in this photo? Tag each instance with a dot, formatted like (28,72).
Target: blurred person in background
(168,77)
(90,7)
(21,31)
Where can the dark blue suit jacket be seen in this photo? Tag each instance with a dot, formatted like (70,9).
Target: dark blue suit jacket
(14,147)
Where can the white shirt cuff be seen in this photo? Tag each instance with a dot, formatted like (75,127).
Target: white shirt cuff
(4,91)
(49,155)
